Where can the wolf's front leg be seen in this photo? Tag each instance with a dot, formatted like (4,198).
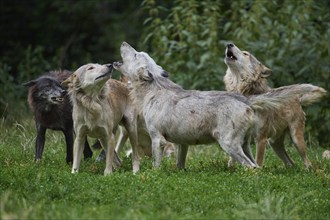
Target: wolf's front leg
(133,138)
(40,142)
(68,134)
(157,152)
(109,145)
(78,149)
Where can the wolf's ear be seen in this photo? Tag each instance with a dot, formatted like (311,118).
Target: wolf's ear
(69,81)
(165,74)
(266,72)
(30,83)
(144,74)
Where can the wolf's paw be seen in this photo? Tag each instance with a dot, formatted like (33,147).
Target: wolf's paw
(74,170)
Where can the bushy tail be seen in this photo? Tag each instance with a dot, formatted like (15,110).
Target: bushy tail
(311,94)
(267,101)
(306,93)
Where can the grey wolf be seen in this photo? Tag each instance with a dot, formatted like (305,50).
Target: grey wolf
(247,75)
(188,117)
(144,141)
(52,109)
(143,147)
(99,105)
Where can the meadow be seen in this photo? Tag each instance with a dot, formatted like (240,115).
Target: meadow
(207,189)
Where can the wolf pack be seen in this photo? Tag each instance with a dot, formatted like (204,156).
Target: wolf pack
(159,117)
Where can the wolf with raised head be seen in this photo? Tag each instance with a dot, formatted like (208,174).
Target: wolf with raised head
(99,105)
(189,117)
(247,75)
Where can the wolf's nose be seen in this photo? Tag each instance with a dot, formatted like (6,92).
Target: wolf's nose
(109,65)
(230,45)
(63,92)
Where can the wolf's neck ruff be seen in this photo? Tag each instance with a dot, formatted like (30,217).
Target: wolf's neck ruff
(256,87)
(245,85)
(92,103)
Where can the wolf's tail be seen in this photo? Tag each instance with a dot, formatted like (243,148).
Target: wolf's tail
(275,98)
(267,101)
(307,93)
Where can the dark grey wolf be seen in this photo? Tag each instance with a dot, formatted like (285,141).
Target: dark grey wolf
(188,117)
(52,109)
(99,105)
(248,76)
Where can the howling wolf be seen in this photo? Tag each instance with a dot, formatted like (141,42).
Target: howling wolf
(248,76)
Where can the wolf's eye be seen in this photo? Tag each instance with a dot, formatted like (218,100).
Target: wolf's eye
(246,54)
(90,68)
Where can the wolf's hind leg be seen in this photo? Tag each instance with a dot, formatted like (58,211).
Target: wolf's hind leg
(238,155)
(261,147)
(182,155)
(297,136)
(247,152)
(233,147)
(278,147)
(122,138)
(247,149)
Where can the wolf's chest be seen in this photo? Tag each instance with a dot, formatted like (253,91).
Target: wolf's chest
(94,124)
(53,120)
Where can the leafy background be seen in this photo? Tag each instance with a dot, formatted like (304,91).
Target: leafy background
(186,37)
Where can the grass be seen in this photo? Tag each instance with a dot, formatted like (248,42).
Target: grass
(207,189)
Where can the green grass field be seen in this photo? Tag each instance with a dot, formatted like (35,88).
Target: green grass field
(207,189)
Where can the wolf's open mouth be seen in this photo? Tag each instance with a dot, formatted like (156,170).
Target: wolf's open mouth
(57,99)
(230,55)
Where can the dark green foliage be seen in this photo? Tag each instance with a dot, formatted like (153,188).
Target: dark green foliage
(185,40)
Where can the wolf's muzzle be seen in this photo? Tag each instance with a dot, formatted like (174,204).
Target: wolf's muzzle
(109,65)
